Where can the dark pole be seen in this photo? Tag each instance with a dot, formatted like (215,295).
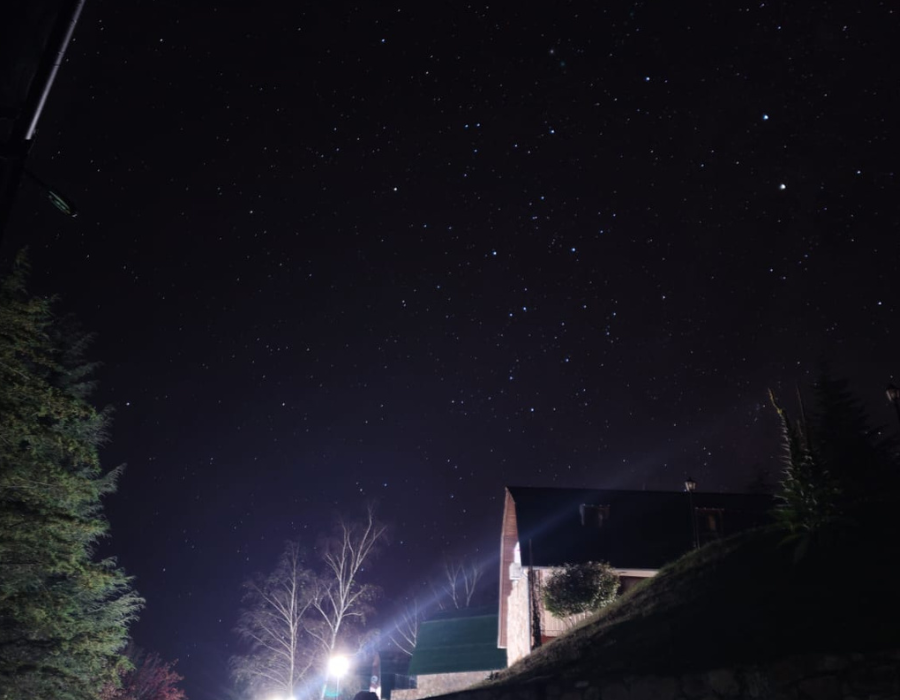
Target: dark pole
(533,593)
(690,486)
(15,151)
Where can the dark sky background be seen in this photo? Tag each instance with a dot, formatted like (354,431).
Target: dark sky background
(415,253)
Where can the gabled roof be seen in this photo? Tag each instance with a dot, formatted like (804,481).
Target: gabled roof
(644,529)
(457,644)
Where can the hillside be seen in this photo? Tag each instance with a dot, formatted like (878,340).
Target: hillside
(744,599)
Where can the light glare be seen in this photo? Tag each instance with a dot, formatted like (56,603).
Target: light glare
(338,666)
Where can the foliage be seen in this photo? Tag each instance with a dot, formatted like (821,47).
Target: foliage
(861,458)
(149,678)
(581,588)
(809,495)
(63,615)
(833,464)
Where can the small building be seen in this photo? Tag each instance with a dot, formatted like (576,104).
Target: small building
(390,672)
(454,650)
(637,532)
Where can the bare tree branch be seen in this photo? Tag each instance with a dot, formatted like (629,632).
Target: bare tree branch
(460,583)
(340,597)
(405,634)
(272,625)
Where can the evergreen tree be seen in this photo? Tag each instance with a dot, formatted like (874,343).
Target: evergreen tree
(809,494)
(63,615)
(861,458)
(836,465)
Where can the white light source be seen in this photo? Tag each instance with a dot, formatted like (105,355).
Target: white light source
(338,666)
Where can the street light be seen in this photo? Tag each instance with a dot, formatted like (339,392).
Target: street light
(893,395)
(338,665)
(690,486)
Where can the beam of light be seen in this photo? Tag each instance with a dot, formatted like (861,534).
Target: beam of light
(428,604)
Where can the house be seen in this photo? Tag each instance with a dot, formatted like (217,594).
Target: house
(637,532)
(454,650)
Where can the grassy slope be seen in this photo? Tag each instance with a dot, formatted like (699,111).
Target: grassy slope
(743,599)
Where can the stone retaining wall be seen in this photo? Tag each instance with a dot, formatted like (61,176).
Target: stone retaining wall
(871,676)
(440,684)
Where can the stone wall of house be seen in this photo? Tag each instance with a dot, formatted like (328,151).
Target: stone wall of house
(440,684)
(518,635)
(518,638)
(870,676)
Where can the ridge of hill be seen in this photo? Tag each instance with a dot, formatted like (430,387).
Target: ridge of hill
(748,598)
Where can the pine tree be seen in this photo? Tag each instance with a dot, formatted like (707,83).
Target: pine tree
(836,465)
(809,494)
(63,615)
(861,458)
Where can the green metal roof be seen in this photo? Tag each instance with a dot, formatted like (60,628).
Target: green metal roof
(456,645)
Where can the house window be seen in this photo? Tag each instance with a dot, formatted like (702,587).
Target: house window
(710,523)
(594,516)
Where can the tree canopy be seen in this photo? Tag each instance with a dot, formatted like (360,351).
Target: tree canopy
(834,461)
(64,614)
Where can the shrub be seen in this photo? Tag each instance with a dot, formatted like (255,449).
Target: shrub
(581,588)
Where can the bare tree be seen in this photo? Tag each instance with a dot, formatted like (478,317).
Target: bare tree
(405,634)
(340,599)
(272,624)
(461,577)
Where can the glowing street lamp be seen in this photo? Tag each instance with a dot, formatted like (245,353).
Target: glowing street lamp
(338,665)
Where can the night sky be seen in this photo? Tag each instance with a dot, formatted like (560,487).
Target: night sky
(416,253)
